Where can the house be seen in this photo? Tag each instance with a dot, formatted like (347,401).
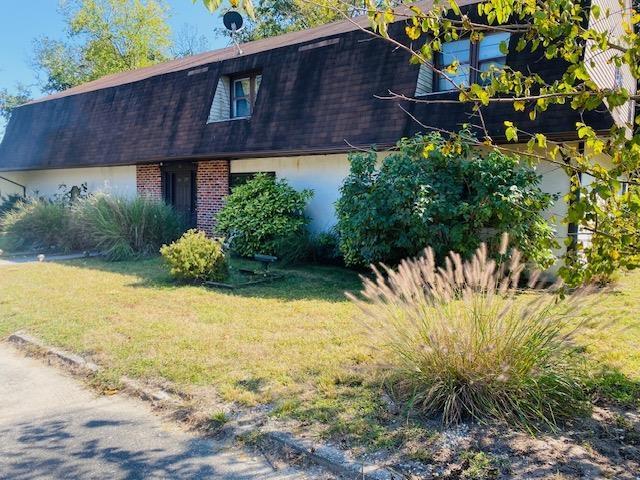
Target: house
(294,105)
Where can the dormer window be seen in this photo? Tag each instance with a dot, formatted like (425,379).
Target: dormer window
(235,97)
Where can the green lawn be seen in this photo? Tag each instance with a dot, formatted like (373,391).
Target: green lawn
(296,343)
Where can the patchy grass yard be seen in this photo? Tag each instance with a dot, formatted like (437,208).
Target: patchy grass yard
(296,343)
(255,345)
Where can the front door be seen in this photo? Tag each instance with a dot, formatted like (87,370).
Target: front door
(179,190)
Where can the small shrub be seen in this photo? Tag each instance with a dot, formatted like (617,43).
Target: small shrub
(196,257)
(35,223)
(261,213)
(463,344)
(125,228)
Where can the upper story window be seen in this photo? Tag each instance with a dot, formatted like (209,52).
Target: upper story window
(245,91)
(235,97)
(454,52)
(490,54)
(472,59)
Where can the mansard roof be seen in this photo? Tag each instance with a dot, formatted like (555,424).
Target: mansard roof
(320,93)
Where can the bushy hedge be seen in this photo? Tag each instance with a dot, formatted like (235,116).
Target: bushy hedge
(262,214)
(196,257)
(120,228)
(443,194)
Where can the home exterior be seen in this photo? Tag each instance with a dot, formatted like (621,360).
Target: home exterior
(186,131)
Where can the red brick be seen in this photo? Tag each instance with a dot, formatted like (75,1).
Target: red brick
(212,179)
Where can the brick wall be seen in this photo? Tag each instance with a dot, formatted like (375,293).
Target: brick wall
(149,181)
(212,177)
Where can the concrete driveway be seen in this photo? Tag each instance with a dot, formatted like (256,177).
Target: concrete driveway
(52,427)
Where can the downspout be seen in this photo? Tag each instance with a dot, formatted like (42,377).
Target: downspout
(24,189)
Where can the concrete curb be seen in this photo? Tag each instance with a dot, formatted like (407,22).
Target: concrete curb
(25,340)
(333,459)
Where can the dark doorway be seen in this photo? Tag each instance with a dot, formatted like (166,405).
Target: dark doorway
(179,189)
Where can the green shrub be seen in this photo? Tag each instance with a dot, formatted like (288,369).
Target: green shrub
(196,257)
(35,223)
(125,228)
(325,248)
(443,194)
(261,213)
(462,343)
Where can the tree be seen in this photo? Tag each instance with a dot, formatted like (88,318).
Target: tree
(9,101)
(275,17)
(104,37)
(603,198)
(188,42)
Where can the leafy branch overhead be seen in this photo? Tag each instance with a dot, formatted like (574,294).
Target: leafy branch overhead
(602,166)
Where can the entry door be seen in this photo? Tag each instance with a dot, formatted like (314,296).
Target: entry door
(179,190)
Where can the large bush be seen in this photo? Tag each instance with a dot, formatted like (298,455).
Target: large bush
(36,223)
(196,257)
(462,343)
(261,214)
(443,194)
(125,228)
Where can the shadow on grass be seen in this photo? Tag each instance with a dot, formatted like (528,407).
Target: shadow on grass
(305,282)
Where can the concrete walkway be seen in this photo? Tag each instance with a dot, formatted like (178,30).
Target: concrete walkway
(13,260)
(52,427)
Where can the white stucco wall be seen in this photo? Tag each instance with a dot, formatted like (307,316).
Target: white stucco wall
(321,173)
(324,175)
(116,180)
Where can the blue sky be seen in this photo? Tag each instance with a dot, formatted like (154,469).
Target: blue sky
(22,21)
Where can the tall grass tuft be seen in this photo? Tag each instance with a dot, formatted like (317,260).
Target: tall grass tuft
(36,223)
(125,228)
(464,343)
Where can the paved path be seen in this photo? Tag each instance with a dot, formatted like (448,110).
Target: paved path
(52,427)
(13,260)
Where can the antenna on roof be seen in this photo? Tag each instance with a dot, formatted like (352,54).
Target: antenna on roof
(234,22)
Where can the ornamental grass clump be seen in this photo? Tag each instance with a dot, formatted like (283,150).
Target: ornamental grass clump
(36,223)
(465,343)
(123,228)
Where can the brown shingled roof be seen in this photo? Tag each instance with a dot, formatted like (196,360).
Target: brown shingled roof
(205,58)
